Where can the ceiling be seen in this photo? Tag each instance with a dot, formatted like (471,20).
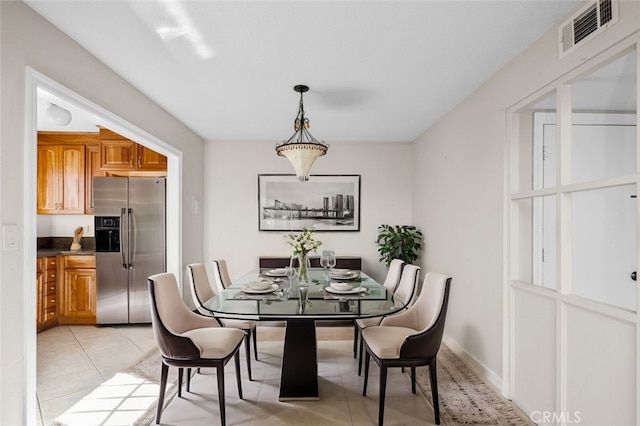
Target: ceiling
(377,70)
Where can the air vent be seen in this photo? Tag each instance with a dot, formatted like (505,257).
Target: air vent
(590,20)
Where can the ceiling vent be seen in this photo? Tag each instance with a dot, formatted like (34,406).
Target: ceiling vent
(589,21)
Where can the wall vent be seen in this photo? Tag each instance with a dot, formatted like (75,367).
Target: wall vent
(589,21)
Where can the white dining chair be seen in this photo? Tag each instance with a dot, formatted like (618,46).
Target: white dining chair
(201,291)
(410,338)
(404,294)
(188,340)
(390,283)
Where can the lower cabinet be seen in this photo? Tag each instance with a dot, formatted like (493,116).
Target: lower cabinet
(77,290)
(46,293)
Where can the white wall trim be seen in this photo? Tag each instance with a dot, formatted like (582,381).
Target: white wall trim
(29,245)
(488,375)
(33,81)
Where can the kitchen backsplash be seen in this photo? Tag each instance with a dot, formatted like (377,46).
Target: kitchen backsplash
(64,224)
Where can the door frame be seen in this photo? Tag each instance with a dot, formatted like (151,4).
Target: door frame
(33,81)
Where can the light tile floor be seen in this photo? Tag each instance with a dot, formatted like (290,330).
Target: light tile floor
(72,361)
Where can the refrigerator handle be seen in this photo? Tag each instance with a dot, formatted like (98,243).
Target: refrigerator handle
(133,236)
(123,243)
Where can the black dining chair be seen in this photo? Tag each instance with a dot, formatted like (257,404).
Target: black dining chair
(189,340)
(411,338)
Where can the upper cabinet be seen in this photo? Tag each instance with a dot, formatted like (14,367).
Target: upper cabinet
(92,168)
(67,163)
(120,154)
(61,179)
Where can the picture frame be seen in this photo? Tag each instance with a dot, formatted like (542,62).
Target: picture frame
(323,203)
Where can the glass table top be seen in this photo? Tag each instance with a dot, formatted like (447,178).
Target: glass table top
(282,302)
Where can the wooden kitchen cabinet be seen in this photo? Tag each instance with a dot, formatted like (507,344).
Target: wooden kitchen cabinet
(78,290)
(120,154)
(46,295)
(92,168)
(61,179)
(148,159)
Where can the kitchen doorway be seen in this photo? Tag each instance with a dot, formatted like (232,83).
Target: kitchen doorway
(35,81)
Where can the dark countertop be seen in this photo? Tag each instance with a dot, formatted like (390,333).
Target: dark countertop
(53,246)
(55,252)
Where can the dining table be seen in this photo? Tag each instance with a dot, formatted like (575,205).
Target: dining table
(268,295)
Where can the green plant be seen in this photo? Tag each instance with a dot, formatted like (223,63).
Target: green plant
(398,242)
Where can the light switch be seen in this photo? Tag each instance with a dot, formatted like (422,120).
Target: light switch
(10,237)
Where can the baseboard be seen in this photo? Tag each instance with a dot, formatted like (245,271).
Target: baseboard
(488,375)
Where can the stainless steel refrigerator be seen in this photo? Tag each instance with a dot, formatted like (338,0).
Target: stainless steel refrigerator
(130,245)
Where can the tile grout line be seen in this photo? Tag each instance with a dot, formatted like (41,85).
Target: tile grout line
(87,354)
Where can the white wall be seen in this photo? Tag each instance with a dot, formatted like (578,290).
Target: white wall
(459,189)
(29,40)
(231,206)
(63,225)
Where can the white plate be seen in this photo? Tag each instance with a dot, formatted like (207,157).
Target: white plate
(340,271)
(341,286)
(260,285)
(354,291)
(277,273)
(250,290)
(344,275)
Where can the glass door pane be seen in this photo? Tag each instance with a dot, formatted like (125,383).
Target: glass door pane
(603,138)
(604,245)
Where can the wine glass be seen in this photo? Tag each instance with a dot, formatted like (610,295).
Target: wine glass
(331,259)
(324,262)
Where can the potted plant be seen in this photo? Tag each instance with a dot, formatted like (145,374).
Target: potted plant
(398,242)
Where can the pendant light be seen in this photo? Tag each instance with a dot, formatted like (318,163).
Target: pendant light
(301,149)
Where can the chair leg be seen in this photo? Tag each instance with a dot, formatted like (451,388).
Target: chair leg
(355,339)
(188,387)
(220,374)
(360,356)
(237,362)
(164,372)
(255,343)
(180,374)
(366,371)
(383,390)
(434,390)
(247,351)
(413,380)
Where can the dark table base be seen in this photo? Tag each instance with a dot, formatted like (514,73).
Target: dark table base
(299,380)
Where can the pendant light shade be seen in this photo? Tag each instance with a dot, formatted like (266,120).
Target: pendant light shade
(301,149)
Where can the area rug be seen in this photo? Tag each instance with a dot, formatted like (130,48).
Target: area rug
(464,398)
(149,368)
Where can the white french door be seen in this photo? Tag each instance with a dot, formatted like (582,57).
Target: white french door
(572,347)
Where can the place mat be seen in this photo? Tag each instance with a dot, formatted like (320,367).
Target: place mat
(281,294)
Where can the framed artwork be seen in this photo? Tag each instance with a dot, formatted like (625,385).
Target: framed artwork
(323,203)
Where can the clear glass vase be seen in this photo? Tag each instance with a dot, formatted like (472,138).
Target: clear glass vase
(304,263)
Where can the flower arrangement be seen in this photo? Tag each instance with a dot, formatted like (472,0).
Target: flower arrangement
(303,243)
